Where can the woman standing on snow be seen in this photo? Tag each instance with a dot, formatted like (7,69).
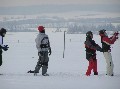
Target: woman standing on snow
(106,42)
(91,48)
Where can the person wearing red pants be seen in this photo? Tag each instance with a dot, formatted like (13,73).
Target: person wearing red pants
(91,48)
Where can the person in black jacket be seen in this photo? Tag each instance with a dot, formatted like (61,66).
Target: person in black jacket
(91,48)
(2,47)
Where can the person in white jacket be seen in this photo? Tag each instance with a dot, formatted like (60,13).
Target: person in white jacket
(2,47)
(43,47)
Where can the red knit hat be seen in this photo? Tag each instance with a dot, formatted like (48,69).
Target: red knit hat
(41,28)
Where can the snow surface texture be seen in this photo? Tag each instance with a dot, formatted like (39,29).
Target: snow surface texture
(65,73)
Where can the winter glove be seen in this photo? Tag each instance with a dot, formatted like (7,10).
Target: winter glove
(116,34)
(116,37)
(40,53)
(49,51)
(5,48)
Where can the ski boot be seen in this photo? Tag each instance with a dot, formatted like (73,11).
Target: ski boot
(95,73)
(45,74)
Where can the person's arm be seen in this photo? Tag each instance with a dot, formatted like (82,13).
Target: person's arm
(110,40)
(98,48)
(38,42)
(4,47)
(1,41)
(93,46)
(49,47)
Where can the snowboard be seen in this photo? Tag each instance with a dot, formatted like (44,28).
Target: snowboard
(30,71)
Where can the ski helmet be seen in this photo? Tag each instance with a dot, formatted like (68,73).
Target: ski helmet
(88,34)
(102,32)
(41,28)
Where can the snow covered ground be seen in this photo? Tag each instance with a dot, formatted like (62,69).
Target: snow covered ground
(65,73)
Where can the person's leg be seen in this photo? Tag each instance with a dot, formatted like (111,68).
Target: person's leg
(45,64)
(95,67)
(0,57)
(38,66)
(44,68)
(90,67)
(109,62)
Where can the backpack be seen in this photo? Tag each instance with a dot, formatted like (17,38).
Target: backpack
(45,43)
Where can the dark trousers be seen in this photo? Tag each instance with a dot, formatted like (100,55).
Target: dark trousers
(0,57)
(42,62)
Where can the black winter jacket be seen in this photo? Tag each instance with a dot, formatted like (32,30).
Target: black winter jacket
(91,48)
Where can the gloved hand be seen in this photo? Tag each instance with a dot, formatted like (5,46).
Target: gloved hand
(40,53)
(49,51)
(5,48)
(117,37)
(116,33)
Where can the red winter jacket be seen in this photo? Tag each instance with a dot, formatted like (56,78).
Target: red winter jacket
(106,42)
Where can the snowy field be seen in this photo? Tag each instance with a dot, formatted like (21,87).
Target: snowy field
(65,73)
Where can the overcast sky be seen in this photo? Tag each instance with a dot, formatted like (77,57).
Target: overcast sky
(7,3)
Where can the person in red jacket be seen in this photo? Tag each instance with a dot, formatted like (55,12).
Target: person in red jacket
(106,43)
(91,48)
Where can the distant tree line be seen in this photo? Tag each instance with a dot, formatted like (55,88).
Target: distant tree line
(75,25)
(72,29)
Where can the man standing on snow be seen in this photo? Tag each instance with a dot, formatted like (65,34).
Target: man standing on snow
(106,42)
(43,46)
(4,47)
(91,48)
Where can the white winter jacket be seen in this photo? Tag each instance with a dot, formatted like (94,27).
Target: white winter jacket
(39,40)
(1,41)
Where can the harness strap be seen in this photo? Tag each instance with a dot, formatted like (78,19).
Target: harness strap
(44,45)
